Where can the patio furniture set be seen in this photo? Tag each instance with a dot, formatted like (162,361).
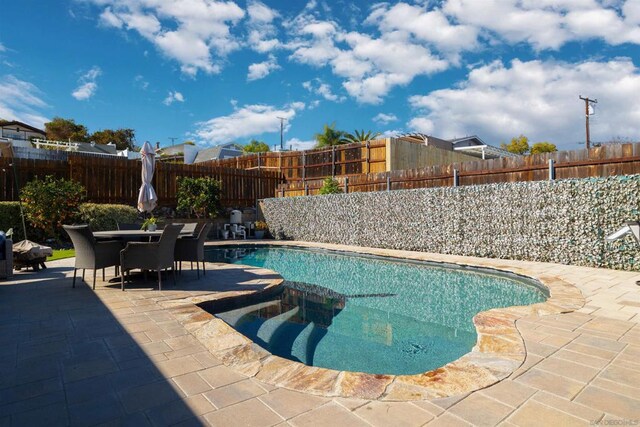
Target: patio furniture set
(124,250)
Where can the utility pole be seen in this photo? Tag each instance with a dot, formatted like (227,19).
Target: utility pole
(173,139)
(282,119)
(587,102)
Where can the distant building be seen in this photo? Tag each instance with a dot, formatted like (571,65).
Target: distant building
(183,153)
(219,152)
(470,145)
(20,133)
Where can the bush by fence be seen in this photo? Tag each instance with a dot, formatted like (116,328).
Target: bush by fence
(99,217)
(10,218)
(106,216)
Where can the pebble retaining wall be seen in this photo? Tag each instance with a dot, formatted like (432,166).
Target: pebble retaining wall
(562,221)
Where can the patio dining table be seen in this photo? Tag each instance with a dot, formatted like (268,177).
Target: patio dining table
(132,234)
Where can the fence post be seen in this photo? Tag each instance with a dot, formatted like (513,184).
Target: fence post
(388,182)
(258,161)
(306,189)
(346,185)
(456,178)
(333,161)
(552,170)
(304,165)
(368,157)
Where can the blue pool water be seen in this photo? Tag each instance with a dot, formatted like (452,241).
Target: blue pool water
(365,314)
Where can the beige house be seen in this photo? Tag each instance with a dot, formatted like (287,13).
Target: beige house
(20,133)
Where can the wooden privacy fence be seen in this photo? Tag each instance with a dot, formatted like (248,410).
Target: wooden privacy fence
(620,159)
(345,159)
(117,180)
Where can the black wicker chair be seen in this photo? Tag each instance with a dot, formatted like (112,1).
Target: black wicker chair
(91,253)
(151,255)
(192,249)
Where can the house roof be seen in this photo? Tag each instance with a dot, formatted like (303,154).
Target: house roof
(218,152)
(474,146)
(89,147)
(471,145)
(21,124)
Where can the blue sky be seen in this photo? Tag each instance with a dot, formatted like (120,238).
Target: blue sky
(216,72)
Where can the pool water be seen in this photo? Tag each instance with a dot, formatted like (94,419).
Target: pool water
(365,314)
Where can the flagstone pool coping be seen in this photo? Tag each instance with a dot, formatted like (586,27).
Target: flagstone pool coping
(499,350)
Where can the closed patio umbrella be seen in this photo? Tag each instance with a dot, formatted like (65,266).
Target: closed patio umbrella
(147,199)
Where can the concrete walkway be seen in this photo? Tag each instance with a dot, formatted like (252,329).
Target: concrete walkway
(84,357)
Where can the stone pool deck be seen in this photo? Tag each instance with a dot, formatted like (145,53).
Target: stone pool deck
(75,356)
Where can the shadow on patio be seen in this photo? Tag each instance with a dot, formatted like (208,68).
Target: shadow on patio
(75,356)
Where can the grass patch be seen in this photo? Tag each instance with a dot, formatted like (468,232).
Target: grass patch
(62,254)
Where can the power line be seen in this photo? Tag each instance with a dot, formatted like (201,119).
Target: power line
(587,103)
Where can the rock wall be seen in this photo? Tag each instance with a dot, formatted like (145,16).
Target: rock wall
(562,221)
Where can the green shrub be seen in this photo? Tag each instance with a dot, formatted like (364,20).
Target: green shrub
(102,217)
(51,202)
(199,196)
(10,218)
(330,186)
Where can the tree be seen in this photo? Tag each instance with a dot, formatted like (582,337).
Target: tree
(255,146)
(200,196)
(329,136)
(543,147)
(361,136)
(518,145)
(60,129)
(122,138)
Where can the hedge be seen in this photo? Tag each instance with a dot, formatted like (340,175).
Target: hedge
(106,217)
(10,218)
(98,216)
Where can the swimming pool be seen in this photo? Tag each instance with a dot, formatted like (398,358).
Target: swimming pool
(367,314)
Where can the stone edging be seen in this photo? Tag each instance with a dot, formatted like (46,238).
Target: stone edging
(499,351)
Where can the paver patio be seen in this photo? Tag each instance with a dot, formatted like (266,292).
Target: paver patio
(75,356)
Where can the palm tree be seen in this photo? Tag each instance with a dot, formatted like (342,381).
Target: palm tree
(360,136)
(329,136)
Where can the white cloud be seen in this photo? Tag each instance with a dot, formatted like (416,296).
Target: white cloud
(429,37)
(262,31)
(538,99)
(21,100)
(318,87)
(261,70)
(549,24)
(87,85)
(173,97)
(2,48)
(297,144)
(431,26)
(196,33)
(248,121)
(384,119)
(370,66)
